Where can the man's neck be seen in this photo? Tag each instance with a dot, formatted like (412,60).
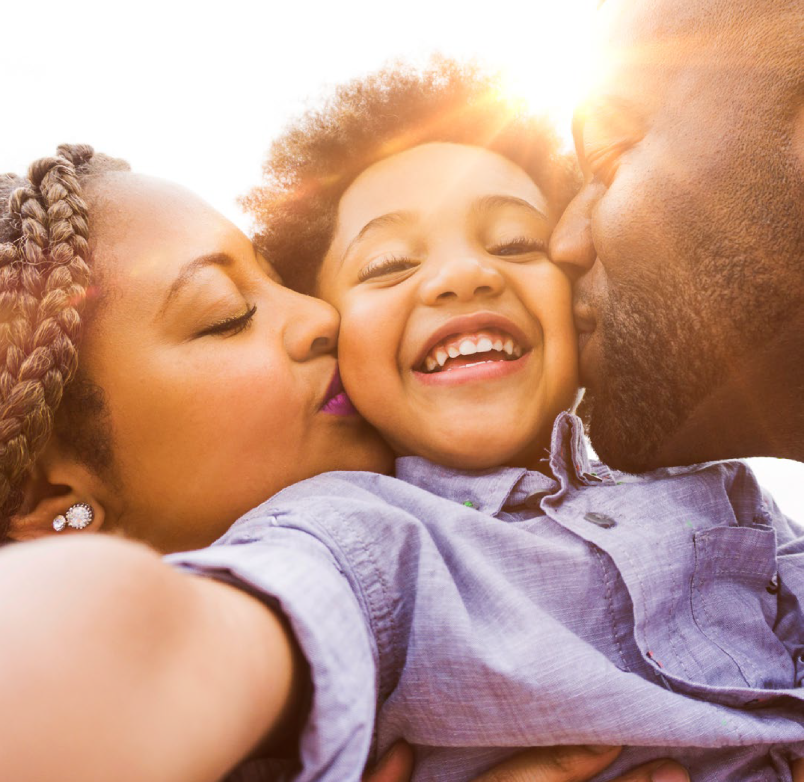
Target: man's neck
(758,412)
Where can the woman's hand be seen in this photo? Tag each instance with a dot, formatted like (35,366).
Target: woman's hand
(543,764)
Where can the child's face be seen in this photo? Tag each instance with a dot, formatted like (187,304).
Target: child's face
(457,339)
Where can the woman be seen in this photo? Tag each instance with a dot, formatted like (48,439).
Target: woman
(159,447)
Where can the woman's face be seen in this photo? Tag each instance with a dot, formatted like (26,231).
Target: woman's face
(215,375)
(457,340)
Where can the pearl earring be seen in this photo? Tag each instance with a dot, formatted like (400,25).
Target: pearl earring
(78,516)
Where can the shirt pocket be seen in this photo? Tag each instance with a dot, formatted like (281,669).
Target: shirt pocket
(734,605)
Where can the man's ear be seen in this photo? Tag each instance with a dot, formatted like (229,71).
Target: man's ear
(57,481)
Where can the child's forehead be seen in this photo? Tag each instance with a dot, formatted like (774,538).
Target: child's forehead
(432,178)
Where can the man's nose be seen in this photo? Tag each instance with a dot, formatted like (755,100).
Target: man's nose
(462,278)
(571,243)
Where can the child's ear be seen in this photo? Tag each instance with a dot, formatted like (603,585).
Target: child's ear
(54,484)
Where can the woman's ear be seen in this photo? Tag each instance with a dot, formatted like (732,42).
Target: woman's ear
(54,484)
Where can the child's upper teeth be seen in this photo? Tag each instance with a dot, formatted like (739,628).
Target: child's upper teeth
(484,345)
(469,345)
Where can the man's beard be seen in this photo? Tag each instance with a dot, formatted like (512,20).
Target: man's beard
(659,362)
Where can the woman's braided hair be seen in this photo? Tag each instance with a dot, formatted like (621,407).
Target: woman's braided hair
(313,162)
(44,276)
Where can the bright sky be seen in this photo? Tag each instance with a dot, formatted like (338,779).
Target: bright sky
(195,91)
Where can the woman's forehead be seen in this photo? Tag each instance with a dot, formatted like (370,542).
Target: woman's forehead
(138,223)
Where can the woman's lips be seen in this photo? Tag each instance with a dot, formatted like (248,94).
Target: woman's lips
(336,401)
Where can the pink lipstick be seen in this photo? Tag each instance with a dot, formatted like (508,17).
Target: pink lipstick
(336,401)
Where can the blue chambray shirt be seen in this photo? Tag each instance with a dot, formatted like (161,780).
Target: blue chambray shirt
(478,613)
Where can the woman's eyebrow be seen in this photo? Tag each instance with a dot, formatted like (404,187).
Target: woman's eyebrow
(189,270)
(491,202)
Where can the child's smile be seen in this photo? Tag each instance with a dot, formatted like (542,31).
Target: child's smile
(471,348)
(457,340)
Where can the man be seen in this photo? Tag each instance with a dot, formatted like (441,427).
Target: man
(687,239)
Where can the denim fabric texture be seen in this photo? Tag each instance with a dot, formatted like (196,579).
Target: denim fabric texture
(478,613)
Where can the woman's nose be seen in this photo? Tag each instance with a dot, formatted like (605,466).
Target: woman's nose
(461,278)
(571,243)
(311,328)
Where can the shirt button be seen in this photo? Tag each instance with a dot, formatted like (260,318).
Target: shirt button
(774,584)
(600,519)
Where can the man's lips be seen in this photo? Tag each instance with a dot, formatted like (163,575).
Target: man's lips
(336,401)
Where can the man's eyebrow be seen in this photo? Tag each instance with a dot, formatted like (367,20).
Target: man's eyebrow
(391,218)
(189,270)
(490,202)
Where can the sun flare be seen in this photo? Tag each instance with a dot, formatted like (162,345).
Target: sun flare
(555,74)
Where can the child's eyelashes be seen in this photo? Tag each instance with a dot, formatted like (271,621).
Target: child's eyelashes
(521,245)
(384,266)
(399,264)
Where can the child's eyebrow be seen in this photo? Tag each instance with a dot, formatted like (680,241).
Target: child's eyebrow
(491,202)
(391,218)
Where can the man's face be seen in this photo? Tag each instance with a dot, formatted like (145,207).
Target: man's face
(686,236)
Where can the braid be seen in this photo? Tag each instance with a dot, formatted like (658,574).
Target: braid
(43,282)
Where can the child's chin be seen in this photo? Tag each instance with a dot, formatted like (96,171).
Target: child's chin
(477,453)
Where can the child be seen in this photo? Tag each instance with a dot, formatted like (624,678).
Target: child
(505,591)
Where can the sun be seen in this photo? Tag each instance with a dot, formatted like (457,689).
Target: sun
(553,76)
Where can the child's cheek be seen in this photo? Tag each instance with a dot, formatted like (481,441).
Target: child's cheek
(367,357)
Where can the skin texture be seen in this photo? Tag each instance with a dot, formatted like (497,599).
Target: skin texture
(687,237)
(450,251)
(205,424)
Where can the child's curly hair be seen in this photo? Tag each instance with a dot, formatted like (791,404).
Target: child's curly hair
(311,165)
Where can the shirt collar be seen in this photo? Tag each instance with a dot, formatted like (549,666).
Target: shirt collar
(485,490)
(491,490)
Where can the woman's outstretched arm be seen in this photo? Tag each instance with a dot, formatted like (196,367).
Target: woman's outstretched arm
(115,666)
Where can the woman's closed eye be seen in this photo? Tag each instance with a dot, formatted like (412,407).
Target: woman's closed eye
(386,266)
(521,245)
(230,326)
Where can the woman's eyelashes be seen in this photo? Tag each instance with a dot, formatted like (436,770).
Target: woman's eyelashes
(230,326)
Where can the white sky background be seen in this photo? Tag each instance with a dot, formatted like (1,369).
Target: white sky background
(194,92)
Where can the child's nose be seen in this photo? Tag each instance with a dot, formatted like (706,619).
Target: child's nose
(461,278)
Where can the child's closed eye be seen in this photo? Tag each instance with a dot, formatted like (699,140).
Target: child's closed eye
(521,245)
(386,266)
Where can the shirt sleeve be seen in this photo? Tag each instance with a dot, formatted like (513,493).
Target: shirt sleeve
(296,573)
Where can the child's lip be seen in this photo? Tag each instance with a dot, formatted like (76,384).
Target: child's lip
(468,323)
(336,400)
(482,371)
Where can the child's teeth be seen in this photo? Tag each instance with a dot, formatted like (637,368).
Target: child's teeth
(467,347)
(517,351)
(498,345)
(484,345)
(441,357)
(508,347)
(453,352)
(430,363)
